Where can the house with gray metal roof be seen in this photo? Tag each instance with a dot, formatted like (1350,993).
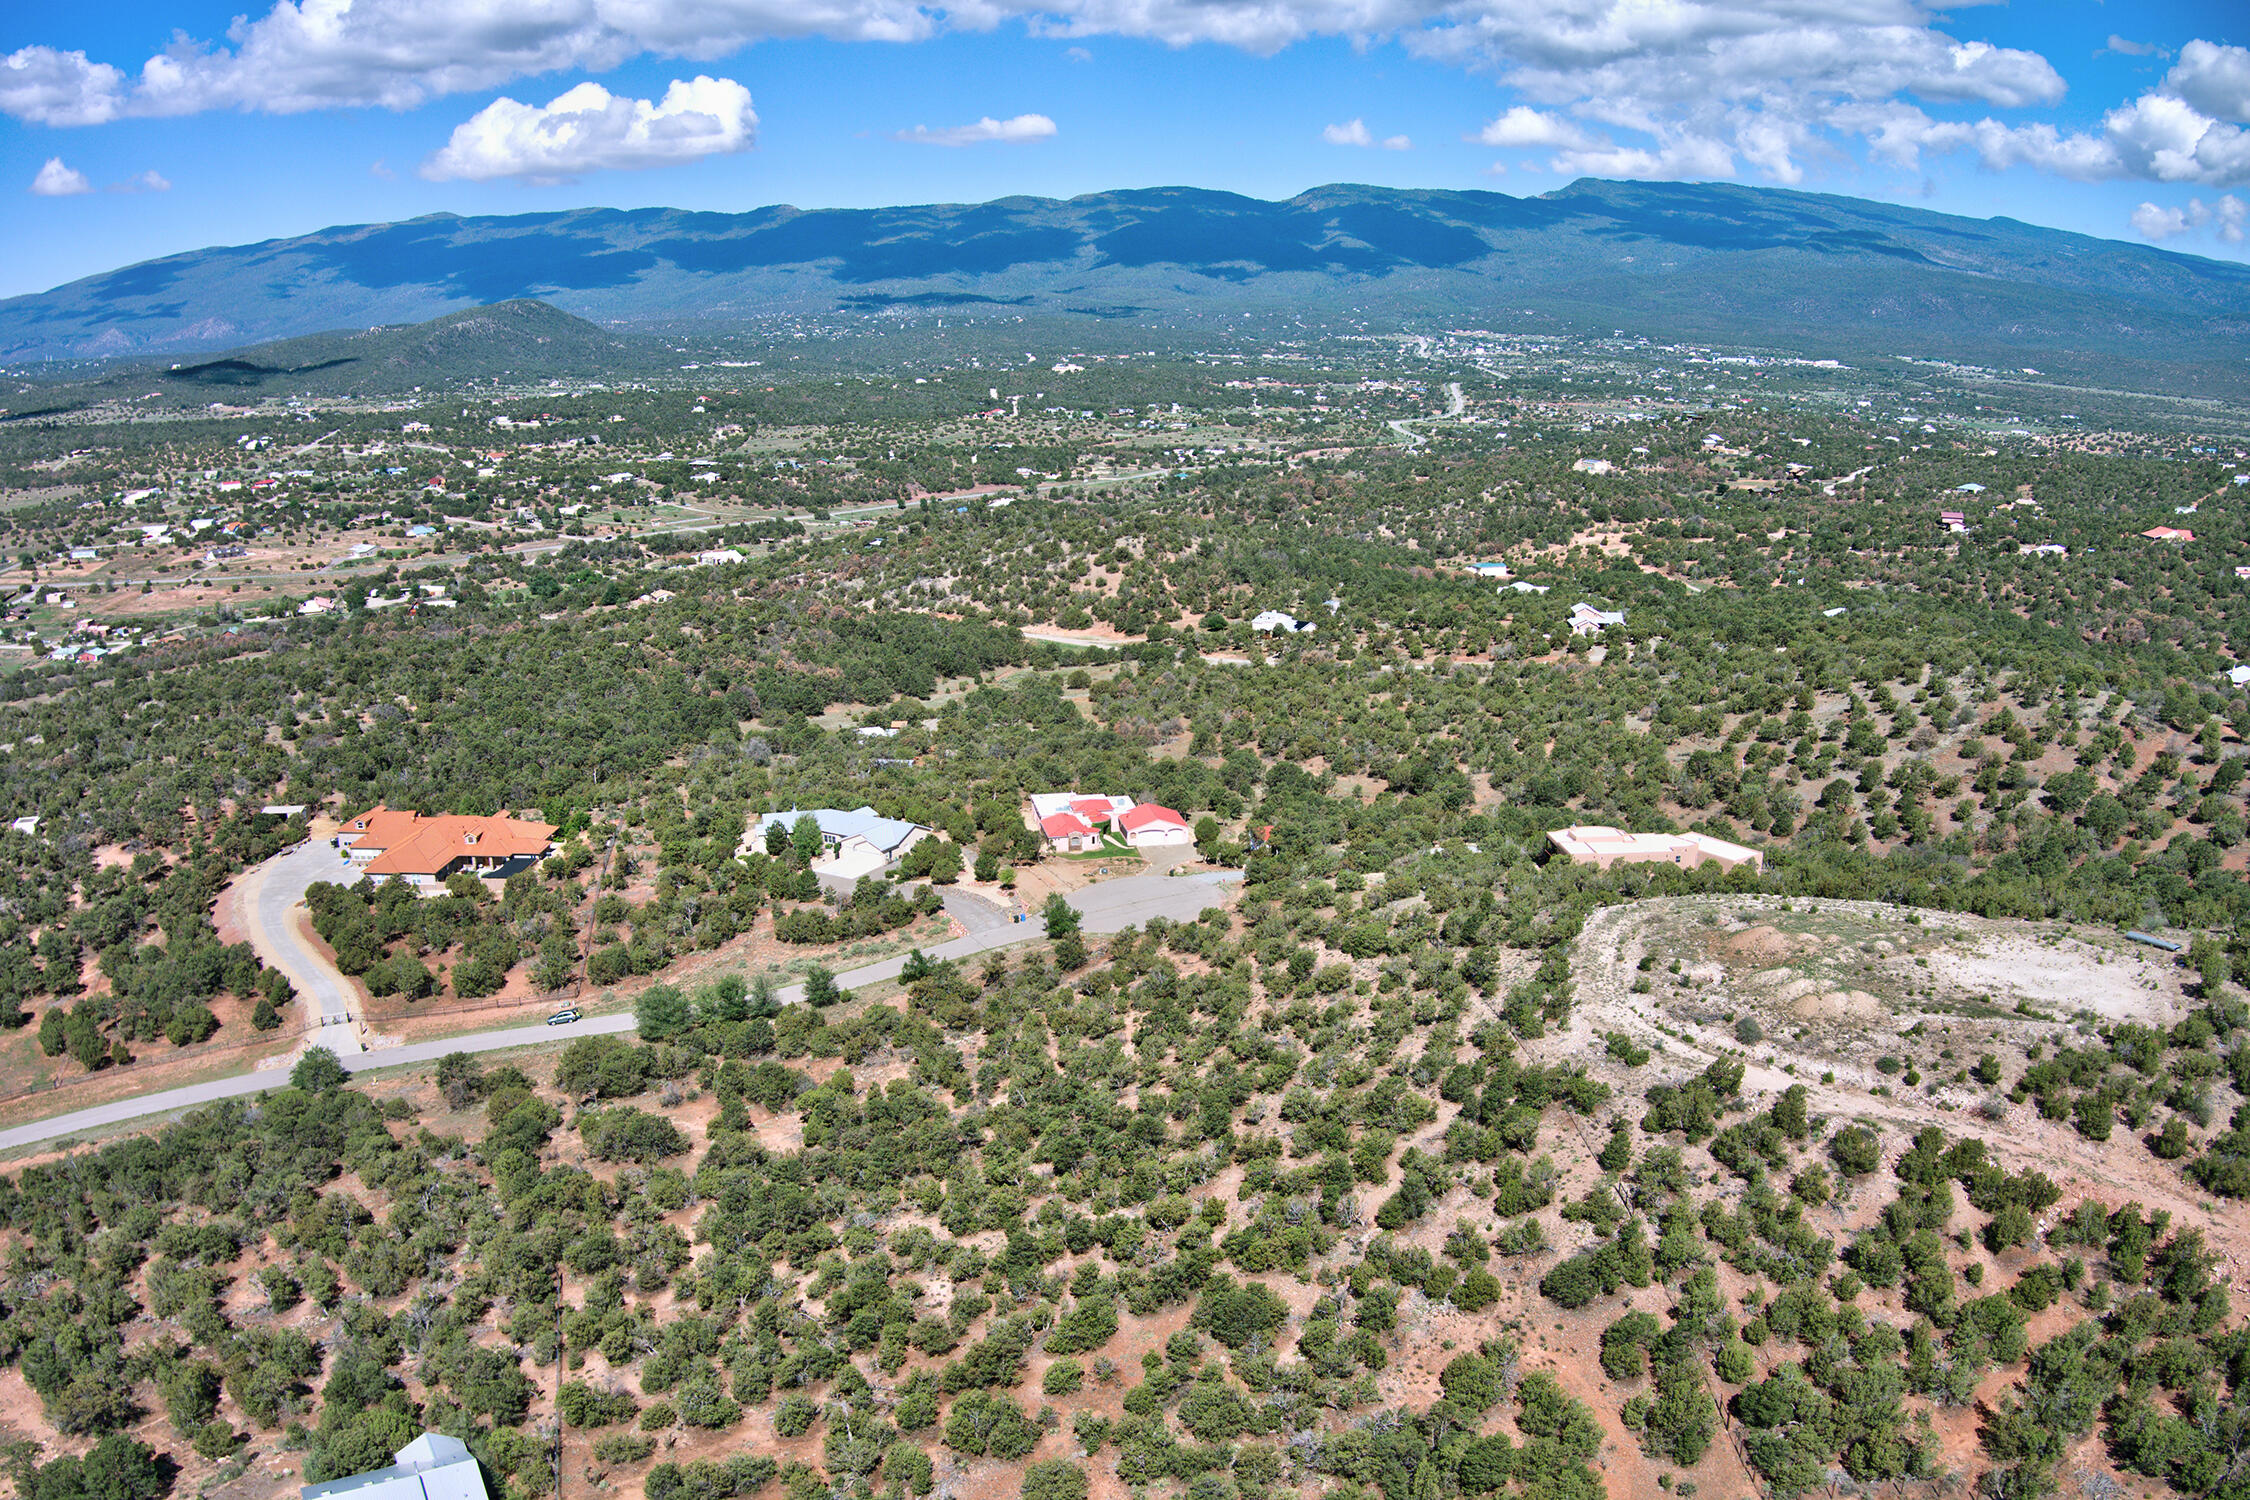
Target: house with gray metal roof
(432,1467)
(855,843)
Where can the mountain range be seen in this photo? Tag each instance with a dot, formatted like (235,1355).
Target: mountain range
(1762,267)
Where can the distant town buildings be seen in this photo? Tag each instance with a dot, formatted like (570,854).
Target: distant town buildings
(1274,622)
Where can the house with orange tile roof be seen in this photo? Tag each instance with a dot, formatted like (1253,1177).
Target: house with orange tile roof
(423,851)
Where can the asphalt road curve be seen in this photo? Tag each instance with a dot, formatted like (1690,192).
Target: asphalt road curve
(1108,907)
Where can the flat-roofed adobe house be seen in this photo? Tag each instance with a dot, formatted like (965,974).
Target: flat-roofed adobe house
(1592,844)
(432,1467)
(424,851)
(855,843)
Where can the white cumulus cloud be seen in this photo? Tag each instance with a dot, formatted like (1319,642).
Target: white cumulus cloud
(46,87)
(1525,128)
(151,181)
(2214,79)
(589,129)
(1016,130)
(1771,88)
(54,180)
(398,54)
(2229,214)
(2153,223)
(1355,133)
(2184,131)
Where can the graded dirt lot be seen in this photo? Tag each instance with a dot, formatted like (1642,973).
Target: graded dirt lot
(1837,988)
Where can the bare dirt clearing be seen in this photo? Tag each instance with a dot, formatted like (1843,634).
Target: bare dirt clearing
(1838,993)
(1840,986)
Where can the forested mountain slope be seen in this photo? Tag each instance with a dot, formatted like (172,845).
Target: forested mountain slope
(1808,272)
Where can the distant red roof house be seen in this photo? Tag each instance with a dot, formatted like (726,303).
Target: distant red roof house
(2169,534)
(388,842)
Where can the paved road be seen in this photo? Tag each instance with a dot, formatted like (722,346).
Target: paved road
(273,933)
(1455,404)
(976,913)
(1107,907)
(1117,904)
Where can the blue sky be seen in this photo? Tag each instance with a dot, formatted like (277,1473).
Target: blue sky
(149,126)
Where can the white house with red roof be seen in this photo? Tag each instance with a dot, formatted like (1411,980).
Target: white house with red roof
(1069,833)
(1074,822)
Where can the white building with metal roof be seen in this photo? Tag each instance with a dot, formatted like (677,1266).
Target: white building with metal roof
(855,843)
(432,1467)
